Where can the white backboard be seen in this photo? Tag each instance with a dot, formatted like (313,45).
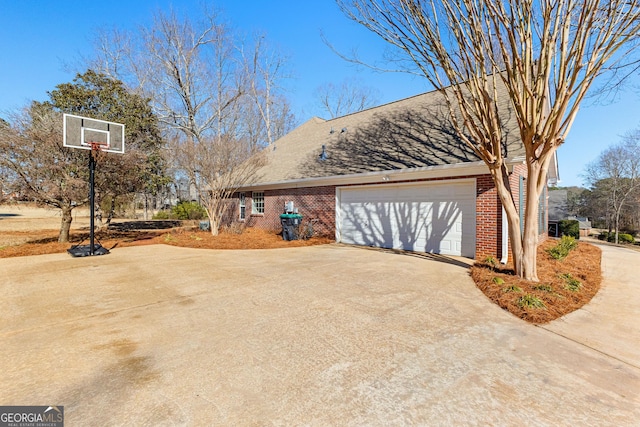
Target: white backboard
(84,132)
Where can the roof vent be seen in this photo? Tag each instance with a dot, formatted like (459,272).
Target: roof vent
(343,130)
(331,131)
(323,156)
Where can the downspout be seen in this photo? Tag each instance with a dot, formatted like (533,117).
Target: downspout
(505,238)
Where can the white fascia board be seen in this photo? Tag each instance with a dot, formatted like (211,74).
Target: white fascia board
(427,172)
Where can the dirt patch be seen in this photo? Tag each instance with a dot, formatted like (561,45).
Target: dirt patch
(564,285)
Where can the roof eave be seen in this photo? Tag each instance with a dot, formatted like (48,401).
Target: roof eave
(397,175)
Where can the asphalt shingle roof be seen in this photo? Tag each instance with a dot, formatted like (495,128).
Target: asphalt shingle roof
(410,133)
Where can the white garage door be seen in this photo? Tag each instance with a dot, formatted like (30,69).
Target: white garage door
(435,218)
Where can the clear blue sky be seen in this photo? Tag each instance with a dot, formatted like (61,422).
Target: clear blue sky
(37,39)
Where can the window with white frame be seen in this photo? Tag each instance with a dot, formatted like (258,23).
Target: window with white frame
(257,202)
(243,205)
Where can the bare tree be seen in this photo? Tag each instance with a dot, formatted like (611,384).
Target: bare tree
(348,97)
(217,168)
(42,169)
(545,54)
(206,92)
(264,69)
(617,172)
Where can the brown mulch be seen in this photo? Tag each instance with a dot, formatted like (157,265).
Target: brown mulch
(583,264)
(45,242)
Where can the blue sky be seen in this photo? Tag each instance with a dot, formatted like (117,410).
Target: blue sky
(37,39)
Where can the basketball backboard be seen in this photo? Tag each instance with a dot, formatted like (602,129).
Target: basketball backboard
(85,133)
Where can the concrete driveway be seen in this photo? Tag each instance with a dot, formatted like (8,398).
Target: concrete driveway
(326,335)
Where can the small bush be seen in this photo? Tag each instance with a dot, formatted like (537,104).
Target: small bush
(625,238)
(234,228)
(562,249)
(164,215)
(498,280)
(569,227)
(189,210)
(529,301)
(611,237)
(490,261)
(571,283)
(513,288)
(543,287)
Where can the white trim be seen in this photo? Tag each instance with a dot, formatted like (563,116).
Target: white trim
(387,176)
(254,205)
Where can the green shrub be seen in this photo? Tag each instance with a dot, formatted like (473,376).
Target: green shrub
(529,301)
(571,283)
(611,237)
(513,288)
(189,210)
(562,249)
(164,215)
(543,287)
(498,280)
(569,227)
(489,260)
(625,238)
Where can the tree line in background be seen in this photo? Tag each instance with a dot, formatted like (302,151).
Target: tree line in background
(612,201)
(199,104)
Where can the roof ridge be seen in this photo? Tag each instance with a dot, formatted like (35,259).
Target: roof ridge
(381,105)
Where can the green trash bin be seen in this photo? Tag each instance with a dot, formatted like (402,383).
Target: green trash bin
(290,223)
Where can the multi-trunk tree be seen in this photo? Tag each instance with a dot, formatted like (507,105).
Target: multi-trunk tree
(545,54)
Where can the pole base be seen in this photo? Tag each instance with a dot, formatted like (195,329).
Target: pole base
(85,250)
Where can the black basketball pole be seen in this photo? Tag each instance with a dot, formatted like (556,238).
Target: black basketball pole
(92,201)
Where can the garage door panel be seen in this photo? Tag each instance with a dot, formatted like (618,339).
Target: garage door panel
(427,218)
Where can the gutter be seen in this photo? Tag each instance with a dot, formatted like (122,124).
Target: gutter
(386,176)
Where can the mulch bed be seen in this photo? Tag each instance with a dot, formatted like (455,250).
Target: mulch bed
(45,242)
(554,290)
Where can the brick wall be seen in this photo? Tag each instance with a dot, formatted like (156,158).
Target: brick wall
(318,203)
(313,203)
(488,219)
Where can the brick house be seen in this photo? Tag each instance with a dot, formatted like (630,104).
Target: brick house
(392,176)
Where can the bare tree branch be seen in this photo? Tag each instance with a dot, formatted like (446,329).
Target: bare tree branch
(545,55)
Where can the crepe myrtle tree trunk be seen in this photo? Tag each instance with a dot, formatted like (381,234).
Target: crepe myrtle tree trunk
(524,243)
(545,56)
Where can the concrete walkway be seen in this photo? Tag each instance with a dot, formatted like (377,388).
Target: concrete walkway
(610,323)
(317,336)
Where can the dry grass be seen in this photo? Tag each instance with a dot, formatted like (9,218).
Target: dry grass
(554,289)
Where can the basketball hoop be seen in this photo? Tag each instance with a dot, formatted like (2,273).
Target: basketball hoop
(98,136)
(97,145)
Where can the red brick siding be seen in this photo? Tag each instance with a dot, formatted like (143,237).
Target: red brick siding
(313,203)
(319,203)
(488,219)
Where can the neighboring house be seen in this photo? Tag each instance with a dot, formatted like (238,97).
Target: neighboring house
(394,176)
(558,205)
(559,210)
